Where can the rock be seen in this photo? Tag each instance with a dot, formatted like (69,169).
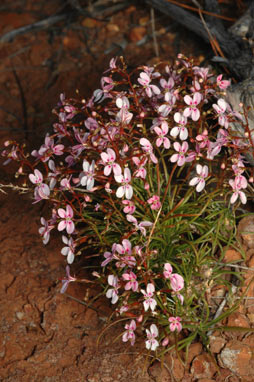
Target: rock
(238,319)
(159,373)
(194,350)
(137,34)
(143,21)
(88,22)
(250,263)
(216,344)
(237,357)
(251,317)
(246,230)
(231,255)
(6,280)
(175,365)
(20,315)
(249,253)
(114,28)
(203,367)
(177,369)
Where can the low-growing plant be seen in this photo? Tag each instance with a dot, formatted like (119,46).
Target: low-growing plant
(147,174)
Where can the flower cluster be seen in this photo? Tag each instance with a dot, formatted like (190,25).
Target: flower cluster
(119,174)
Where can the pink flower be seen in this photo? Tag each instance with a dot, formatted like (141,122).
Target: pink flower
(199,180)
(151,342)
(113,292)
(180,297)
(132,281)
(52,175)
(107,84)
(67,222)
(109,256)
(192,110)
(42,189)
(44,231)
(66,281)
(203,138)
(125,261)
(180,129)
(125,248)
(123,115)
(69,250)
(175,324)
(223,84)
(66,184)
(91,124)
(112,63)
(145,80)
(129,333)
(125,189)
(176,280)
(11,155)
(148,294)
(182,149)
(221,108)
(130,206)
(166,108)
(109,161)
(167,270)
(47,149)
(238,168)
(237,184)
(139,226)
(161,132)
(148,148)
(202,72)
(83,144)
(167,85)
(154,202)
(141,171)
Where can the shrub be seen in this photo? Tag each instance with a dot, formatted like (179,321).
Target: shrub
(147,174)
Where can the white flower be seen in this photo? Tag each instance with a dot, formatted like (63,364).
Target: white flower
(199,180)
(148,294)
(113,292)
(152,343)
(69,250)
(125,189)
(180,129)
(109,160)
(87,177)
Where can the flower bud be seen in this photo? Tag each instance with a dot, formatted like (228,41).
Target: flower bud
(165,341)
(140,318)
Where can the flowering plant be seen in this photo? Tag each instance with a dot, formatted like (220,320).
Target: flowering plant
(146,174)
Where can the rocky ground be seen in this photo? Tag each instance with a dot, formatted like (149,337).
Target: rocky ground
(46,336)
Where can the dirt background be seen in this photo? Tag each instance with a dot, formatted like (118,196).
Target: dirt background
(46,336)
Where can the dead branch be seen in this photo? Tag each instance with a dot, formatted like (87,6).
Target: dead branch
(23,102)
(43,24)
(238,52)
